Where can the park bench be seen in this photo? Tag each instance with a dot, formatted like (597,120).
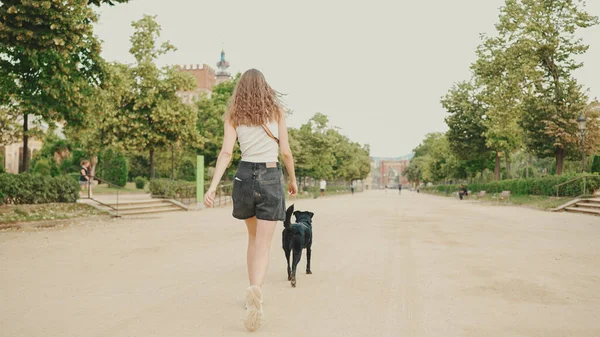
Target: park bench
(505,195)
(481,194)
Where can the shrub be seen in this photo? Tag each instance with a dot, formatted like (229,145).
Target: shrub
(113,168)
(43,167)
(164,188)
(596,164)
(2,170)
(140,183)
(533,186)
(37,189)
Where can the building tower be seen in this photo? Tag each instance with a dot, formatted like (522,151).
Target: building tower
(223,65)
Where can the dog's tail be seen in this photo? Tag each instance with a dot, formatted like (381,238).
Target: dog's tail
(288,217)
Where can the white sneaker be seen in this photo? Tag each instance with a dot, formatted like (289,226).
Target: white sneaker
(254,309)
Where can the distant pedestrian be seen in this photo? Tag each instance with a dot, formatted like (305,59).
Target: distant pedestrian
(462,192)
(353,186)
(322,187)
(400,189)
(85,178)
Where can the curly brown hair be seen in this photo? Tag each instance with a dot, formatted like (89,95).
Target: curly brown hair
(254,102)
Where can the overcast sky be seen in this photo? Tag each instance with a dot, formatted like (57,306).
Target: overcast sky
(376,68)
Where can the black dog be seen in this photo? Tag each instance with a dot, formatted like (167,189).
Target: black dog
(296,237)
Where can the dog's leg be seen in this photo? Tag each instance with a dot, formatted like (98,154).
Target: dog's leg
(297,257)
(308,253)
(288,251)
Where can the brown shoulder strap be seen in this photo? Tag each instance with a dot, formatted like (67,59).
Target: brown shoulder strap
(270,134)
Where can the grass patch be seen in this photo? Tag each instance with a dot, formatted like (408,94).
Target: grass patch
(24,213)
(532,201)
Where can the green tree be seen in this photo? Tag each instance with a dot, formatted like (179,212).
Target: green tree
(317,145)
(442,164)
(49,60)
(467,127)
(352,161)
(528,71)
(105,123)
(113,167)
(109,2)
(152,116)
(501,94)
(210,122)
(414,171)
(302,162)
(9,129)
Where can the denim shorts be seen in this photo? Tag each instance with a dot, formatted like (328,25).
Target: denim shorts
(258,191)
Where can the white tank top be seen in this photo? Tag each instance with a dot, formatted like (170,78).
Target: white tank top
(256,145)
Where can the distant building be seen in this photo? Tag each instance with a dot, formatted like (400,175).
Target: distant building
(13,153)
(205,80)
(392,170)
(388,171)
(223,75)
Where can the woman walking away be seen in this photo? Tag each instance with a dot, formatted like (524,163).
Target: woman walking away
(255,118)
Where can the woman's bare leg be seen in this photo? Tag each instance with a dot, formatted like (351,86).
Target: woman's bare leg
(251,226)
(260,236)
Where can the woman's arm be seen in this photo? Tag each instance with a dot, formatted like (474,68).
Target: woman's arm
(222,161)
(286,154)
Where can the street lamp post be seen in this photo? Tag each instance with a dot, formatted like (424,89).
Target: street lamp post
(582,129)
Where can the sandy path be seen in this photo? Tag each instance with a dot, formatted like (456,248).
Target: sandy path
(383,265)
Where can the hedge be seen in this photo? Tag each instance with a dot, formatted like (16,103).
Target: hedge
(165,188)
(29,188)
(545,186)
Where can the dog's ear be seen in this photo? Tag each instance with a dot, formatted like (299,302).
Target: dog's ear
(311,214)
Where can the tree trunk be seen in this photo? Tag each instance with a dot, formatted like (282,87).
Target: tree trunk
(93,164)
(24,165)
(527,166)
(507,160)
(497,169)
(560,160)
(152,174)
